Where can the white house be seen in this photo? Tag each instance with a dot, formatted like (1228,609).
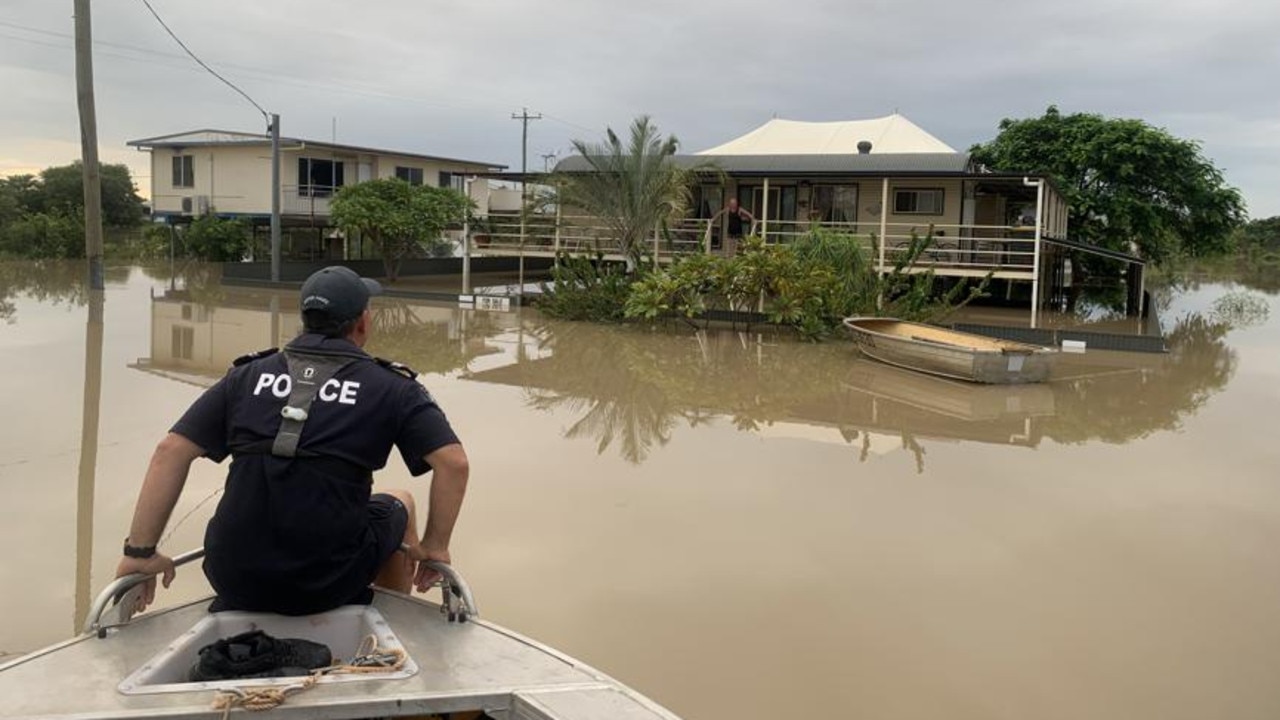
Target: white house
(228,173)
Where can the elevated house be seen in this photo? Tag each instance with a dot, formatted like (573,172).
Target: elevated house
(228,173)
(886,180)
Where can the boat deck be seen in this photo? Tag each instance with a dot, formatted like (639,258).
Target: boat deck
(462,667)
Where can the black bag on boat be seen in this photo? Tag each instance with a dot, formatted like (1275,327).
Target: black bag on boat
(255,654)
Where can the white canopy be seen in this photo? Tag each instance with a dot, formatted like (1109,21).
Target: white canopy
(891,134)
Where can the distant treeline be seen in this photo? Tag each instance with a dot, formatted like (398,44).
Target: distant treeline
(42,218)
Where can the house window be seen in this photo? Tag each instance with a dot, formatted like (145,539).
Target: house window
(918,201)
(707,200)
(835,203)
(411,175)
(318,177)
(184,171)
(453,181)
(184,340)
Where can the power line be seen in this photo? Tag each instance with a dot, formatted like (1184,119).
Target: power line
(274,77)
(202,64)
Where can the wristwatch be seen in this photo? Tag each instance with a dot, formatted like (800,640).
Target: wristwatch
(142,553)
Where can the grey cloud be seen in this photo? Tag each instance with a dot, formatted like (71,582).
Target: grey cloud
(445,76)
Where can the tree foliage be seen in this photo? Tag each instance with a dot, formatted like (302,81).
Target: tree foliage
(1262,235)
(634,188)
(811,285)
(397,216)
(43,216)
(1125,181)
(217,239)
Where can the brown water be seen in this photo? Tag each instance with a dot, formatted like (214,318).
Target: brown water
(740,526)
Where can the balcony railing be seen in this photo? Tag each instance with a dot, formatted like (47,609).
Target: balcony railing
(955,249)
(306,200)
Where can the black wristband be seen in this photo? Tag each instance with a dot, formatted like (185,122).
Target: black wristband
(142,553)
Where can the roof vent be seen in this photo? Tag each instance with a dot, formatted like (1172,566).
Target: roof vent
(864,147)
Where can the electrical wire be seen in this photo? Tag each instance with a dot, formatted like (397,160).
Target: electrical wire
(187,50)
(275,77)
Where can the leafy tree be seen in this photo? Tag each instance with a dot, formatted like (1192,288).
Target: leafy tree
(218,239)
(1259,235)
(634,188)
(19,195)
(399,217)
(1125,181)
(62,190)
(42,235)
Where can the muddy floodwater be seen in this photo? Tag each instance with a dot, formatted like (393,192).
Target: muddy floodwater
(737,525)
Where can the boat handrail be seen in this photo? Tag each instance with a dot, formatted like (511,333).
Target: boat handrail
(115,595)
(458,603)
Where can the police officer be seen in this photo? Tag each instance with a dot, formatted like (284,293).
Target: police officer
(298,529)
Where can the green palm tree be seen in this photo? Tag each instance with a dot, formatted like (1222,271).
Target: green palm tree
(633,189)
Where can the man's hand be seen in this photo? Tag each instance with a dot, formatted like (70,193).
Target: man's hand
(155,565)
(425,577)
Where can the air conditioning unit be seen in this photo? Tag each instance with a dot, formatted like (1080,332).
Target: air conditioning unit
(195,205)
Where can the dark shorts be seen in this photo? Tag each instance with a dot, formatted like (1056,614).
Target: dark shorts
(388,520)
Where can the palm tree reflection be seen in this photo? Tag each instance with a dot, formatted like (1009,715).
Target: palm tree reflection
(633,389)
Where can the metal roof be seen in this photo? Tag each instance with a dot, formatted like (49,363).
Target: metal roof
(890,134)
(932,164)
(209,137)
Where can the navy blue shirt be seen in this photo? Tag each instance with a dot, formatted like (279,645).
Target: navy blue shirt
(292,535)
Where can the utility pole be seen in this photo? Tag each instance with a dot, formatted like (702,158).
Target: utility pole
(90,414)
(89,146)
(275,197)
(546,161)
(524,117)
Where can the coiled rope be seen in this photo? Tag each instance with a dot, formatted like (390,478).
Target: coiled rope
(370,658)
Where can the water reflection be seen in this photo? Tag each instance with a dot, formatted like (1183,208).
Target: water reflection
(50,282)
(636,388)
(198,331)
(87,474)
(632,390)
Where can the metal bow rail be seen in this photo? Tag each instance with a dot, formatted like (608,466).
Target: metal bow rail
(116,604)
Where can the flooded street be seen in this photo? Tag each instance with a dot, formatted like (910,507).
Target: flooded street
(737,525)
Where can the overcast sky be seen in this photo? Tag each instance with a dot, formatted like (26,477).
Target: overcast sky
(444,78)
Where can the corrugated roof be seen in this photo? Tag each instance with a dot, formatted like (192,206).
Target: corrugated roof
(890,134)
(810,165)
(206,137)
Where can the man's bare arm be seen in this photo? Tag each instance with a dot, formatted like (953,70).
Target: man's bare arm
(450,471)
(161,488)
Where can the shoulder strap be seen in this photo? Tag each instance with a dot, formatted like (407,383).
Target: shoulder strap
(254,356)
(308,372)
(397,368)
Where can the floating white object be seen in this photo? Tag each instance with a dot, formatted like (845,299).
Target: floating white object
(1073,346)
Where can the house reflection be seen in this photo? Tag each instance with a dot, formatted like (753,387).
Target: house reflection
(633,389)
(197,333)
(637,388)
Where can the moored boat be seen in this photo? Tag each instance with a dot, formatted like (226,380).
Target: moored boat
(452,665)
(949,353)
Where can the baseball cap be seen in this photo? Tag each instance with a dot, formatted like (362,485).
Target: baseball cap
(338,292)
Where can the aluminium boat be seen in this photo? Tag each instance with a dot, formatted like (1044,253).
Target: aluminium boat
(452,665)
(949,353)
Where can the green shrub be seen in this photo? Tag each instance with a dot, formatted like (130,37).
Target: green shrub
(43,235)
(586,288)
(217,239)
(810,285)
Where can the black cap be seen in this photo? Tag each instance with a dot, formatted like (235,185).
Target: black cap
(338,292)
